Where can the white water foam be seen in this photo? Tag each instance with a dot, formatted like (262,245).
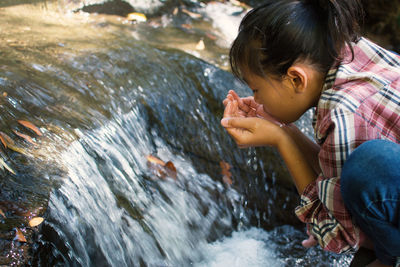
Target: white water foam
(226,18)
(244,248)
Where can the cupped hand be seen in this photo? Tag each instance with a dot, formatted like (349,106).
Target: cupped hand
(248,107)
(250,131)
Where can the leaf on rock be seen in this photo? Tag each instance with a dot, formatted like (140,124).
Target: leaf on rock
(9,143)
(4,165)
(211,36)
(19,236)
(35,221)
(226,174)
(155,160)
(30,126)
(3,141)
(161,168)
(186,26)
(240,4)
(25,136)
(2,213)
(191,14)
(171,169)
(6,140)
(170,166)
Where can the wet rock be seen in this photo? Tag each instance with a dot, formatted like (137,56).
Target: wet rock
(115,7)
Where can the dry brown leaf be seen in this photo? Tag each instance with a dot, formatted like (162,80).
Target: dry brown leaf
(9,143)
(171,169)
(2,213)
(6,140)
(25,136)
(3,141)
(31,126)
(226,174)
(161,168)
(238,3)
(211,36)
(35,221)
(191,14)
(155,160)
(186,26)
(170,166)
(19,236)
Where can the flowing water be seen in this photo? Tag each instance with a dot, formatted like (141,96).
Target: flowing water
(107,94)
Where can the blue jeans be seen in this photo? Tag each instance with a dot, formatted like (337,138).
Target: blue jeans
(370,186)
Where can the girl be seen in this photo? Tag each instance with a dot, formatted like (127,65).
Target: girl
(302,54)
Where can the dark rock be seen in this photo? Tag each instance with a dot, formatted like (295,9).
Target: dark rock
(115,7)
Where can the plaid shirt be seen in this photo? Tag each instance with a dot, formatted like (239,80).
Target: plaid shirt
(360,101)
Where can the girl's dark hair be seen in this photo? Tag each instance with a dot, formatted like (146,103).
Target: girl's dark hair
(279,32)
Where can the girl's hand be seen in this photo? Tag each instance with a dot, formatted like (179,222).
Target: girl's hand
(248,107)
(250,131)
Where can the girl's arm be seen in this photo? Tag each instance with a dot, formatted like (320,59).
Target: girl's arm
(308,147)
(259,132)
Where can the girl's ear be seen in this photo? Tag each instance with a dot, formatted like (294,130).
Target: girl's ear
(298,77)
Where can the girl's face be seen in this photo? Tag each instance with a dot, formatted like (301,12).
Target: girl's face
(282,98)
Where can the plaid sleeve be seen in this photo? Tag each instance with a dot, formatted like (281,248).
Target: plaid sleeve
(321,205)
(322,208)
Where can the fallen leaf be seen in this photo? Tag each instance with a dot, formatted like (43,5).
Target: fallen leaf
(2,213)
(3,164)
(211,36)
(191,14)
(160,168)
(171,170)
(170,166)
(19,236)
(155,160)
(35,221)
(9,143)
(226,174)
(3,141)
(31,126)
(139,17)
(25,136)
(6,140)
(186,26)
(238,3)
(18,149)
(200,45)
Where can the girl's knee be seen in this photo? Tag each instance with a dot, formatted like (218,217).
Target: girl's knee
(374,164)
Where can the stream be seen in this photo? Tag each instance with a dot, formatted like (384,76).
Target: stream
(118,104)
